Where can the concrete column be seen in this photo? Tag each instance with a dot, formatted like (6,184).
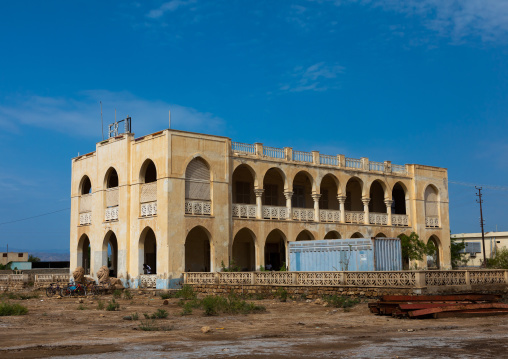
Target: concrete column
(315,157)
(388,166)
(366,209)
(388,203)
(342,200)
(259,149)
(341,160)
(316,197)
(259,203)
(288,151)
(288,195)
(365,163)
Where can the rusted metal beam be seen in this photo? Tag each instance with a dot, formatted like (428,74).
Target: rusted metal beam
(442,298)
(461,307)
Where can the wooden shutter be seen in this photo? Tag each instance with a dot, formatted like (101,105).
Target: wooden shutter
(197,180)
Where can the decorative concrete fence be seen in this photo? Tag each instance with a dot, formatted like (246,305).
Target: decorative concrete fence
(393,279)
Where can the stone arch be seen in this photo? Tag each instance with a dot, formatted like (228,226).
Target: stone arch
(243,184)
(275,250)
(434,258)
(329,189)
(304,235)
(380,235)
(354,190)
(399,198)
(85,186)
(147,251)
(357,235)
(431,198)
(111,178)
(253,172)
(333,235)
(198,187)
(110,253)
(274,185)
(244,249)
(84,253)
(198,250)
(148,172)
(377,195)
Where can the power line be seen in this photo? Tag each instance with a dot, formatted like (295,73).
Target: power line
(496,188)
(39,215)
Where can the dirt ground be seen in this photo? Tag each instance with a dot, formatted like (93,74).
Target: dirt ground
(294,329)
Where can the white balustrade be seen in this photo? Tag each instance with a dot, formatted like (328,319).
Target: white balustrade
(111,214)
(328,160)
(148,280)
(329,215)
(353,163)
(400,220)
(244,210)
(355,217)
(275,212)
(85,218)
(273,152)
(303,214)
(149,209)
(378,218)
(399,169)
(301,156)
(198,207)
(432,222)
(243,148)
(376,166)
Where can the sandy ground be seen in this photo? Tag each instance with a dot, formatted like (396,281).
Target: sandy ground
(56,327)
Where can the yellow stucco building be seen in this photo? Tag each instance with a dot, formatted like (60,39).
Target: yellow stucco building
(180,201)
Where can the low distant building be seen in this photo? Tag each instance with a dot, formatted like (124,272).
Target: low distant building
(474,247)
(6,257)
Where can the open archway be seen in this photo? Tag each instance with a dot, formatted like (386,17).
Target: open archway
(198,188)
(148,172)
(399,199)
(433,256)
(333,235)
(110,253)
(85,186)
(377,198)
(244,250)
(380,235)
(84,253)
(147,252)
(304,236)
(431,207)
(275,250)
(198,251)
(357,235)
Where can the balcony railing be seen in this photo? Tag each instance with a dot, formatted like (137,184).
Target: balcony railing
(111,214)
(378,218)
(303,214)
(243,148)
(301,156)
(85,209)
(328,160)
(399,169)
(432,222)
(377,166)
(149,209)
(329,215)
(148,199)
(244,210)
(85,218)
(198,207)
(353,163)
(273,152)
(355,217)
(400,220)
(275,212)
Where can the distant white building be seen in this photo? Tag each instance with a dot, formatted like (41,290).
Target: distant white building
(474,248)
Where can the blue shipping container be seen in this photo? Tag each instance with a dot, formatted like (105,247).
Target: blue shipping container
(387,254)
(332,255)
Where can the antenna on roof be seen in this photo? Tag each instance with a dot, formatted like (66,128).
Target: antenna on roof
(102,122)
(169,119)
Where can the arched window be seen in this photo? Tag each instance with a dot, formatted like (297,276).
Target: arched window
(85,201)
(431,207)
(111,213)
(148,190)
(197,188)
(86,186)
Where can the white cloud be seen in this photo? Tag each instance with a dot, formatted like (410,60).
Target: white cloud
(317,77)
(80,116)
(486,19)
(169,6)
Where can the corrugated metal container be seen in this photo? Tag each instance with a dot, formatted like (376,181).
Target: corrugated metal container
(332,255)
(21,265)
(387,254)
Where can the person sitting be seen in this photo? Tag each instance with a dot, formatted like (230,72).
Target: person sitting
(147,269)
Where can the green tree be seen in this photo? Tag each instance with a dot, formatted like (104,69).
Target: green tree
(458,257)
(413,249)
(32,258)
(499,260)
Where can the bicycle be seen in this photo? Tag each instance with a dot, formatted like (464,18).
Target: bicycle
(73,289)
(54,288)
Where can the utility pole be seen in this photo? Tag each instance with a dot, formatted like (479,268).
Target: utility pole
(480,201)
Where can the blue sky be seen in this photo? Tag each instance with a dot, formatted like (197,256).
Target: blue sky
(412,82)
